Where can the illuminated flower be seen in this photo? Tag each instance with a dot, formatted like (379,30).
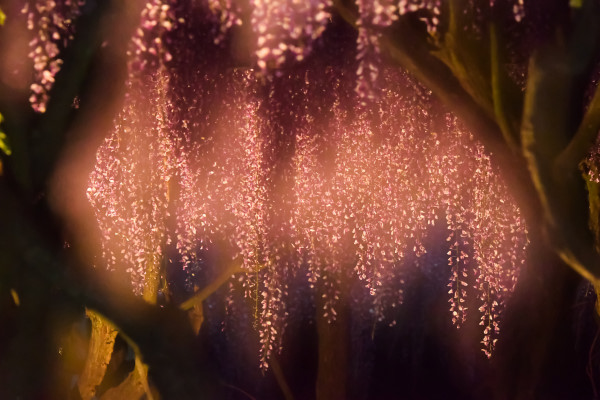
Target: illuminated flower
(52,22)
(293,175)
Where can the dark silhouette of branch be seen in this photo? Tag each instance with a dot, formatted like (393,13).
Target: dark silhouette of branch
(233,268)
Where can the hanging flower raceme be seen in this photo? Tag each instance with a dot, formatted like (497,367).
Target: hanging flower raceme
(485,227)
(367,186)
(287,29)
(148,49)
(130,186)
(386,193)
(52,22)
(224,198)
(373,17)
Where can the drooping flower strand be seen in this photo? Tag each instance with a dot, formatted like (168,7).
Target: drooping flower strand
(135,193)
(129,187)
(224,199)
(52,22)
(453,167)
(286,29)
(317,221)
(373,16)
(249,205)
(221,186)
(497,237)
(273,318)
(148,49)
(387,193)
(499,240)
(592,162)
(228,12)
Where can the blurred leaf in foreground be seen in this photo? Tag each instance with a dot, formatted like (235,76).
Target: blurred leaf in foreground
(3,138)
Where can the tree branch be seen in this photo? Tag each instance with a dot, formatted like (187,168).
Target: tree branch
(584,138)
(584,46)
(542,137)
(465,57)
(196,301)
(99,354)
(508,125)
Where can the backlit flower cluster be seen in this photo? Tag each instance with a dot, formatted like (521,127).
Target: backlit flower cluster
(292,176)
(386,191)
(52,24)
(488,237)
(373,15)
(147,45)
(286,29)
(130,186)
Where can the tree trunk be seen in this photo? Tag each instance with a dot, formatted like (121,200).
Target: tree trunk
(536,355)
(334,350)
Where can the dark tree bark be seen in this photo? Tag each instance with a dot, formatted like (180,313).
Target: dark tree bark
(334,351)
(537,356)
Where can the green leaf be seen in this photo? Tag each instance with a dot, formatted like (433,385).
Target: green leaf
(4,139)
(576,3)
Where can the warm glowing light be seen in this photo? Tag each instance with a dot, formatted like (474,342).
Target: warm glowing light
(366,179)
(129,186)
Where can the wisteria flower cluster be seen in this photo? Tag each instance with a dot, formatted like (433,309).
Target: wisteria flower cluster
(296,177)
(52,24)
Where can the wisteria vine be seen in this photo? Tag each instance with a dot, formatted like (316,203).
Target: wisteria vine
(363,194)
